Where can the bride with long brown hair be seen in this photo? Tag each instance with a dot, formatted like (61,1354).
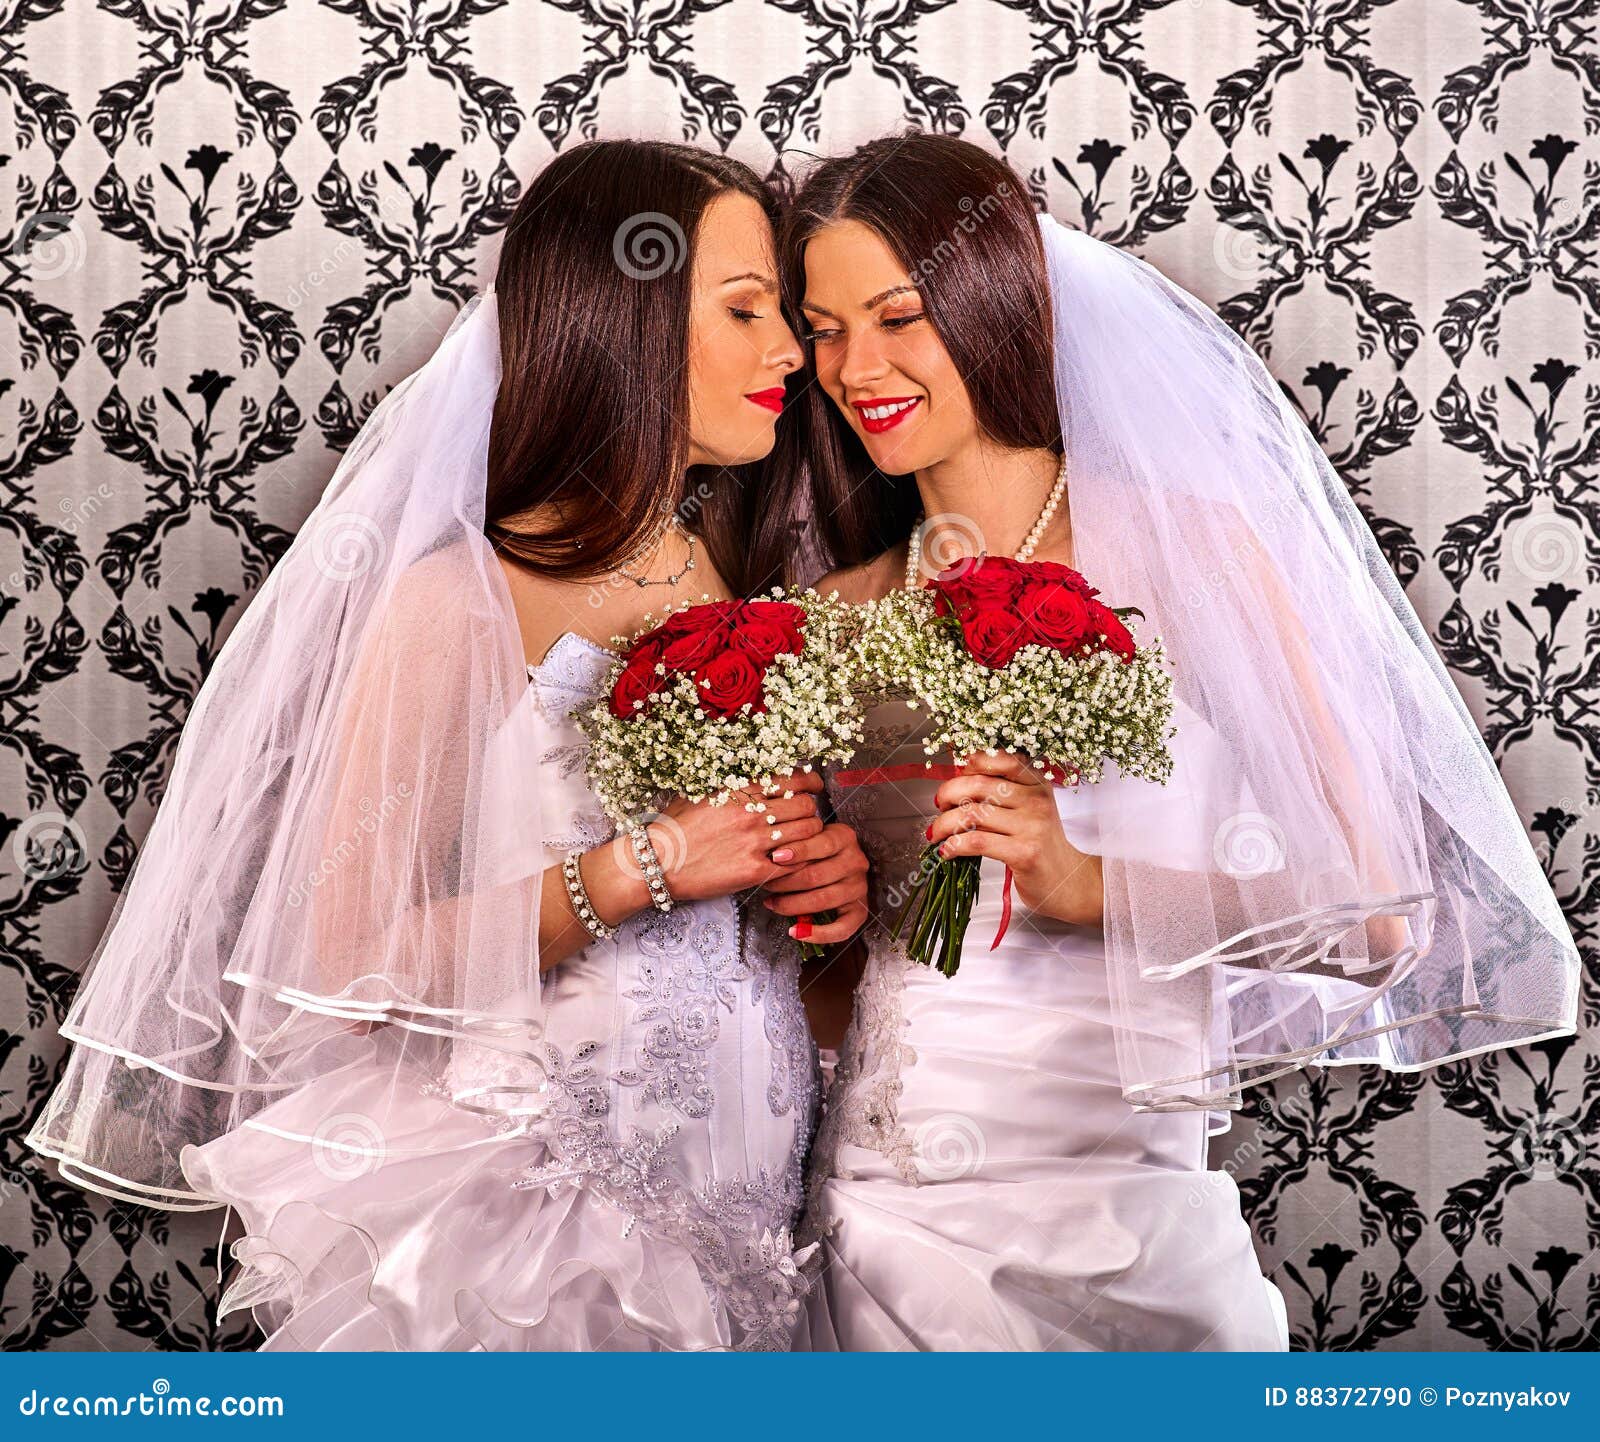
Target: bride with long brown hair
(476,1073)
(1015,1157)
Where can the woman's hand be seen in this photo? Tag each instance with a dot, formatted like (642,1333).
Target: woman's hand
(707,850)
(704,851)
(828,872)
(1004,808)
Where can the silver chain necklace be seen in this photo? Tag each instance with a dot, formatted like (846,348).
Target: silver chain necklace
(688,565)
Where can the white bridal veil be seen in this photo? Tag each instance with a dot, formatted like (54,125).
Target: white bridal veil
(1338,874)
(339,836)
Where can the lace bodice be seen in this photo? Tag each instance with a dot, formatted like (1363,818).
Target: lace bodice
(682,1066)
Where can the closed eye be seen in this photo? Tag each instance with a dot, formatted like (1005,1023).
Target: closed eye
(899,322)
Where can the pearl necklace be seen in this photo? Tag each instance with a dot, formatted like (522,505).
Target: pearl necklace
(1024,552)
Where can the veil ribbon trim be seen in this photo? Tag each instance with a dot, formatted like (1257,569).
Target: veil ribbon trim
(1335,872)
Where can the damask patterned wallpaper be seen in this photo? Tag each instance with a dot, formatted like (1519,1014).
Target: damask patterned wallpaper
(230,226)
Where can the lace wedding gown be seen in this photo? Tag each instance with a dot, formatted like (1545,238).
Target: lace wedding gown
(649,1209)
(977,1181)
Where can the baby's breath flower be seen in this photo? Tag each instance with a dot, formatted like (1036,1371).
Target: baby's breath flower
(671,747)
(1070,710)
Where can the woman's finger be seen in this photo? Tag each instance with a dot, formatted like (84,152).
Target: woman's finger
(796,781)
(998,820)
(820,873)
(790,810)
(789,834)
(823,898)
(1007,849)
(829,841)
(849,921)
(996,790)
(1007,764)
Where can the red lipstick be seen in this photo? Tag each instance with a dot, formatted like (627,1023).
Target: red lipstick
(876,425)
(771,398)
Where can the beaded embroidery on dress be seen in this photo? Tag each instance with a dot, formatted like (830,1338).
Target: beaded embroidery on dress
(649,1203)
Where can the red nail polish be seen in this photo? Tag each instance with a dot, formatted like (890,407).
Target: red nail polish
(802,928)
(928,834)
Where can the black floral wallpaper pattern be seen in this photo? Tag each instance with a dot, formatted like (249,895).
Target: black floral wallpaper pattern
(229,227)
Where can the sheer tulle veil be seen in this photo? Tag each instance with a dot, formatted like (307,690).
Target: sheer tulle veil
(1335,872)
(344,870)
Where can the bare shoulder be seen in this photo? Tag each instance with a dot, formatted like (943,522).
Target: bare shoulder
(867,581)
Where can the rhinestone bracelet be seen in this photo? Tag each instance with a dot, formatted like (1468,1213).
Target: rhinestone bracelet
(645,851)
(580,898)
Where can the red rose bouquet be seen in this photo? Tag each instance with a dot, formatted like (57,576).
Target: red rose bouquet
(720,696)
(1022,657)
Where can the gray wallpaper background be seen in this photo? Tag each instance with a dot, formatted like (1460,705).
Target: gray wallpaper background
(227,229)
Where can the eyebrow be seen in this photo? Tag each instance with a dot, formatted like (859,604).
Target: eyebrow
(766,282)
(876,300)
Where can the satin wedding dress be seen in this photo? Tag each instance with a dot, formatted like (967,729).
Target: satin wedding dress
(977,1181)
(649,1208)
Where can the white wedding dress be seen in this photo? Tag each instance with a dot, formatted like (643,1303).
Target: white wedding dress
(649,1209)
(977,1181)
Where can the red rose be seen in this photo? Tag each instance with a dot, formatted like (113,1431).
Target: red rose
(727,681)
(691,651)
(1056,615)
(701,617)
(1055,571)
(764,629)
(638,682)
(1104,619)
(980,581)
(762,640)
(786,616)
(993,635)
(649,643)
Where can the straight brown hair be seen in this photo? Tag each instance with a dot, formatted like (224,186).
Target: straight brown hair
(591,422)
(962,223)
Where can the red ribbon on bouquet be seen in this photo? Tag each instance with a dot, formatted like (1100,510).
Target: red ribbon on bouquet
(1005,910)
(903,771)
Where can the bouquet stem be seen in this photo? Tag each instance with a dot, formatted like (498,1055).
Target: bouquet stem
(938,909)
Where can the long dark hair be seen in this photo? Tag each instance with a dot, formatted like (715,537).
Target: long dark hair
(962,223)
(595,284)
